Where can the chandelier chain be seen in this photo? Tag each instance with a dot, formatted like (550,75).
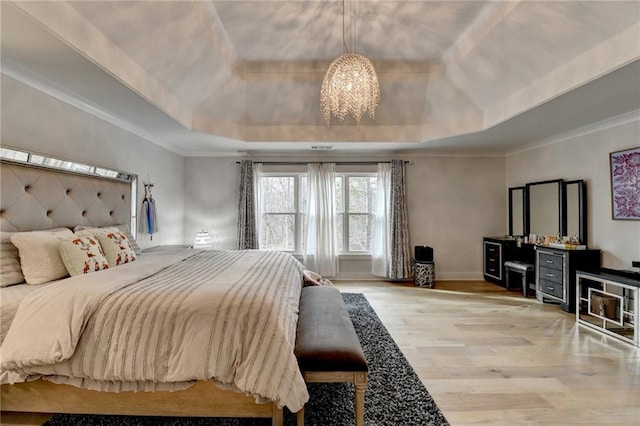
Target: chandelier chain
(344,44)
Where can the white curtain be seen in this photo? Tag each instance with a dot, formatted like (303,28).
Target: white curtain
(381,239)
(320,248)
(257,175)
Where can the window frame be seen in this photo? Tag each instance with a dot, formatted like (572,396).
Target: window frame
(298,214)
(346,214)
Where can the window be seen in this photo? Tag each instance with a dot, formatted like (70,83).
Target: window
(282,210)
(284,203)
(356,203)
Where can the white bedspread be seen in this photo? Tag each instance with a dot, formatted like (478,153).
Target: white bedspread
(10,298)
(224,315)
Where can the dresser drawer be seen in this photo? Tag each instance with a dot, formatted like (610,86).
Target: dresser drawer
(493,269)
(552,275)
(493,261)
(492,249)
(550,261)
(552,288)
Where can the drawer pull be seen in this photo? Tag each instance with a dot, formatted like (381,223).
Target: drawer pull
(492,270)
(551,275)
(551,262)
(550,288)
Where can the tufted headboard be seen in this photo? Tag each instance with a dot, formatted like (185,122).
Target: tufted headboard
(33,198)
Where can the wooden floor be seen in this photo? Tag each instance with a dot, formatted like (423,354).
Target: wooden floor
(490,356)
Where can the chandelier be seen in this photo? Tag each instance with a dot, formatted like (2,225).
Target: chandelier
(350,85)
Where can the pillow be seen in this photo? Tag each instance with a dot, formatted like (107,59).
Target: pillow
(310,278)
(82,255)
(134,245)
(116,247)
(80,230)
(39,256)
(10,270)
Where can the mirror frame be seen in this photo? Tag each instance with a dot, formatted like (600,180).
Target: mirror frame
(582,210)
(525,209)
(561,204)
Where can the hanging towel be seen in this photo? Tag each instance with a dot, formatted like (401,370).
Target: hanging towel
(150,220)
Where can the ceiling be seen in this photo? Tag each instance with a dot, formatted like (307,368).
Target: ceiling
(223,77)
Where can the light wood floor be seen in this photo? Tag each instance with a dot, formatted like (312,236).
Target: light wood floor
(490,356)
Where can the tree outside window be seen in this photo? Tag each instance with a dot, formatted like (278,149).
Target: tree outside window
(284,203)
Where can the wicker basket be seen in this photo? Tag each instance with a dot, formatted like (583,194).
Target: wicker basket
(604,306)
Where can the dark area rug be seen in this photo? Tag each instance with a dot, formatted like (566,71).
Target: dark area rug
(395,395)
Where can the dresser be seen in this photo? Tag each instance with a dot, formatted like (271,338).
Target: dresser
(497,250)
(609,303)
(556,273)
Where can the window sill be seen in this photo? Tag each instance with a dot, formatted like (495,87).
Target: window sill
(341,256)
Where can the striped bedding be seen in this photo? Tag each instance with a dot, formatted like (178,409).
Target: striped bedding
(224,315)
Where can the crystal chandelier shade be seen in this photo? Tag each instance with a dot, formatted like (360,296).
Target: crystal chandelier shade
(350,86)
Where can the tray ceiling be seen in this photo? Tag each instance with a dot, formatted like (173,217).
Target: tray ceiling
(206,77)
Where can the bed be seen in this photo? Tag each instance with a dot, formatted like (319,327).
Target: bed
(177,333)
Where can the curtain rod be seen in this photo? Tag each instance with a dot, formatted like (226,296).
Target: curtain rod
(337,163)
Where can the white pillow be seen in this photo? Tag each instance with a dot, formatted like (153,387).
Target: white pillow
(39,255)
(10,271)
(82,255)
(117,248)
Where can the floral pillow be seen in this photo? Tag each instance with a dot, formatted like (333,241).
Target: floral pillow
(82,255)
(90,230)
(117,247)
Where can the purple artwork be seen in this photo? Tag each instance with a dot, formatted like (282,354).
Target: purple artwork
(625,184)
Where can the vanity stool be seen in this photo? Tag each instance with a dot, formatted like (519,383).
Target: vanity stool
(521,268)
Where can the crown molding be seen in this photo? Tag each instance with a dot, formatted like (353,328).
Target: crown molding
(618,120)
(48,87)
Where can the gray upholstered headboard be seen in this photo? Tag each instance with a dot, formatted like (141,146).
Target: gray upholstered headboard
(33,198)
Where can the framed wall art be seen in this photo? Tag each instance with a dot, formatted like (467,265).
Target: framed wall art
(625,184)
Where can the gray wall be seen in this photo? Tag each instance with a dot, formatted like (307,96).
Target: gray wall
(211,188)
(585,155)
(453,203)
(35,121)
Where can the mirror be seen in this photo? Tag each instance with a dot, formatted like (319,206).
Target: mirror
(545,201)
(517,209)
(576,210)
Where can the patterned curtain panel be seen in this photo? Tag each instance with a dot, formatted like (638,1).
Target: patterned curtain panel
(247,218)
(400,264)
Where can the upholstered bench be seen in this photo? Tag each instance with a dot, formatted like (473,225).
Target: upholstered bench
(327,347)
(521,268)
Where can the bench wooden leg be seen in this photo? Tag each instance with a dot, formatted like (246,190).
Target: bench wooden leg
(358,378)
(300,417)
(277,416)
(360,385)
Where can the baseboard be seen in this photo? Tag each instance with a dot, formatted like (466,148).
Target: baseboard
(459,276)
(440,276)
